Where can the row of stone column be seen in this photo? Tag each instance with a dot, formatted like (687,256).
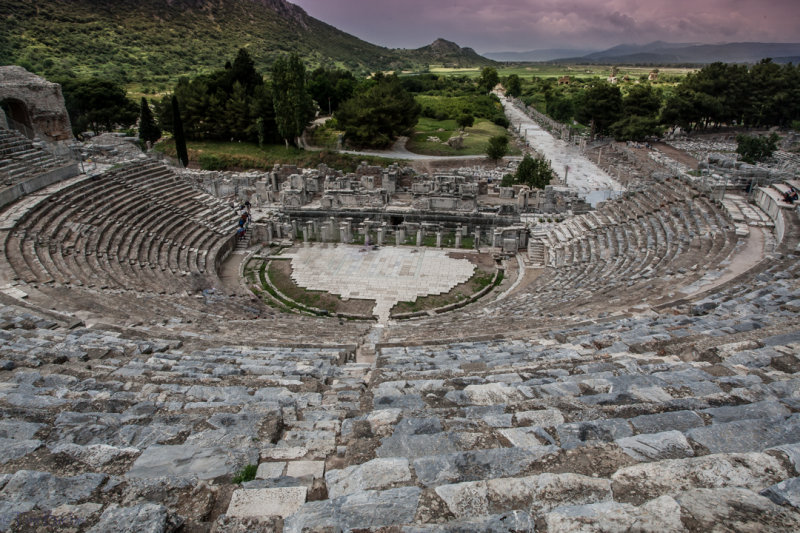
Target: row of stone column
(325,232)
(342,231)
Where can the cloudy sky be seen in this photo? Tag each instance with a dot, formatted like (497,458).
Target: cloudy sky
(501,25)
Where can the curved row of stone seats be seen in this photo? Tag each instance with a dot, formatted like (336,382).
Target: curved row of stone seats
(20,158)
(102,431)
(641,246)
(137,227)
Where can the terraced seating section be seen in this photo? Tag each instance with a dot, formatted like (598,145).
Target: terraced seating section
(640,247)
(94,420)
(138,227)
(598,426)
(20,158)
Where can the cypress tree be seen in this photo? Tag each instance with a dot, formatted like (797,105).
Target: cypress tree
(177,132)
(148,129)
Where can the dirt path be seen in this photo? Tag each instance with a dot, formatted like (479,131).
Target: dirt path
(677,155)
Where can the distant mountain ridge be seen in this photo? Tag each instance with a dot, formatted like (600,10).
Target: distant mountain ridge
(152,40)
(660,52)
(547,54)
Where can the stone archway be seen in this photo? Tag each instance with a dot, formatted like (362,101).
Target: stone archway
(34,105)
(17,116)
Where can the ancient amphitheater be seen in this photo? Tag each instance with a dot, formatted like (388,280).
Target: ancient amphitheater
(643,377)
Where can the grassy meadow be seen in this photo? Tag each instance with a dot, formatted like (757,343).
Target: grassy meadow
(475,138)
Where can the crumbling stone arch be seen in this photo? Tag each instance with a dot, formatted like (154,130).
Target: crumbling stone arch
(32,102)
(17,116)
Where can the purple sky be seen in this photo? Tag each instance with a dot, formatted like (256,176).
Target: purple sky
(500,25)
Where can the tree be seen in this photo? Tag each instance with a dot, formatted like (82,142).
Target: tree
(635,128)
(513,85)
(753,149)
(641,100)
(488,79)
(601,107)
(294,107)
(379,113)
(465,121)
(640,107)
(536,173)
(99,105)
(244,72)
(497,147)
(329,88)
(148,129)
(177,133)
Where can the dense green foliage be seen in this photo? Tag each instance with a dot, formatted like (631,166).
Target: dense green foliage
(230,104)
(148,129)
(513,85)
(465,121)
(157,41)
(753,149)
(97,105)
(329,88)
(497,147)
(377,114)
(489,79)
(178,133)
(762,95)
(154,42)
(600,107)
(294,107)
(640,114)
(536,173)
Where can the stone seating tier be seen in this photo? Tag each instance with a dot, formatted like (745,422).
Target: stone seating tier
(137,223)
(582,426)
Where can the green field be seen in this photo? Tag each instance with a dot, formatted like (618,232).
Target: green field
(475,139)
(542,70)
(217,155)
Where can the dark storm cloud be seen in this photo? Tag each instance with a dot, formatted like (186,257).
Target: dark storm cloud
(531,24)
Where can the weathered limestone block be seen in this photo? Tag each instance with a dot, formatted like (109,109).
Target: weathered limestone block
(660,515)
(254,503)
(642,482)
(539,493)
(734,509)
(144,518)
(375,474)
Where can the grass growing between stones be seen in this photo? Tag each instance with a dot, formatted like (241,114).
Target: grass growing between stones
(247,473)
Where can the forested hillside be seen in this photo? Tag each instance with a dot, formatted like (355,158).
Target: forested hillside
(159,40)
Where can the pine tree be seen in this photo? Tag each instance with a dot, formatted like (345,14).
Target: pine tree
(148,129)
(177,132)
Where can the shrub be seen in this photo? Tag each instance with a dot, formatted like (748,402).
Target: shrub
(753,149)
(501,121)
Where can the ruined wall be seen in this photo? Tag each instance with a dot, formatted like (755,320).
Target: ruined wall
(36,103)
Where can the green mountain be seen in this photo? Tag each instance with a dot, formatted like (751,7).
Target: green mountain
(160,40)
(446,53)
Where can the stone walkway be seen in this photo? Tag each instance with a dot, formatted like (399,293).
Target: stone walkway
(583,175)
(386,275)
